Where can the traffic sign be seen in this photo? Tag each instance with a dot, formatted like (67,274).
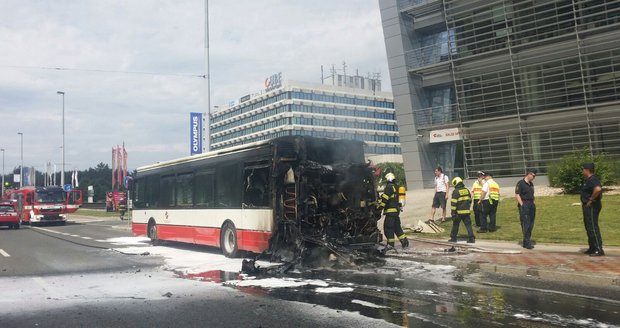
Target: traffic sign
(67,187)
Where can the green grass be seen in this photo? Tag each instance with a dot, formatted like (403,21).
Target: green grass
(556,222)
(96,213)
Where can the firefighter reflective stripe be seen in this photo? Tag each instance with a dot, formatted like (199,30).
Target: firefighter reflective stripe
(477,190)
(463,212)
(403,236)
(493,190)
(391,210)
(391,240)
(386,197)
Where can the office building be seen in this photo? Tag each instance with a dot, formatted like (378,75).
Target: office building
(501,86)
(320,110)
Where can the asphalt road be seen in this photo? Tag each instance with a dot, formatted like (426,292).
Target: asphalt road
(69,276)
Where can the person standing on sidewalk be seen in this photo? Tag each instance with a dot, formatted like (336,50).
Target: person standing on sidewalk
(442,186)
(476,191)
(591,197)
(524,194)
(460,210)
(489,199)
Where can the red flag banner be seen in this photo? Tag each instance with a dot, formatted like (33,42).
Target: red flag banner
(113,168)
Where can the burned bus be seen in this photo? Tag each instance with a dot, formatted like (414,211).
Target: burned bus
(285,196)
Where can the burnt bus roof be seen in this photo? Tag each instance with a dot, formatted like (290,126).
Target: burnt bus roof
(322,150)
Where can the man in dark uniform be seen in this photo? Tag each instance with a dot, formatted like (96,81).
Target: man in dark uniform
(591,197)
(524,194)
(391,208)
(461,204)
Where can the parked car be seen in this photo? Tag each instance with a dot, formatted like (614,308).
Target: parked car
(8,215)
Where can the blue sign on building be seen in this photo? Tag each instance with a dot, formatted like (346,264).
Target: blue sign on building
(195,128)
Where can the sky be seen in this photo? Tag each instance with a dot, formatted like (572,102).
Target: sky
(131,70)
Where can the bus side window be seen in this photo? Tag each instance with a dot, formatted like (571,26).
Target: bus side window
(167,192)
(203,190)
(256,189)
(184,190)
(228,186)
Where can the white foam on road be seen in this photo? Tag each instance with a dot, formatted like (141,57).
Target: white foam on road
(369,304)
(333,290)
(129,241)
(276,283)
(191,261)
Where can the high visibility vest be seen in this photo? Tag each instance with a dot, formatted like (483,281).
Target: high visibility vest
(477,190)
(493,191)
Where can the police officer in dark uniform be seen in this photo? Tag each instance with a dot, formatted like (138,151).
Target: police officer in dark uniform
(391,208)
(591,197)
(524,194)
(461,204)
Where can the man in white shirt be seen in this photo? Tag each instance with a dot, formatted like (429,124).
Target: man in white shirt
(442,186)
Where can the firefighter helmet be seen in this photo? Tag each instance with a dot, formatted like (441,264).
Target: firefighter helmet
(390,177)
(456,181)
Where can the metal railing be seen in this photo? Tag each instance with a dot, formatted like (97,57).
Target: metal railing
(427,55)
(435,116)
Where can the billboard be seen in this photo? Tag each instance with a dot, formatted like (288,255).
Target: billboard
(195,133)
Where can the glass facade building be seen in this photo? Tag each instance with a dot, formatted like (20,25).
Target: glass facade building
(525,82)
(318,110)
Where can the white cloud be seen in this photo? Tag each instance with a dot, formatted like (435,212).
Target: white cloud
(249,40)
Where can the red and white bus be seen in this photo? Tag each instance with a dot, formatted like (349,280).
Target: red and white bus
(283,193)
(45,204)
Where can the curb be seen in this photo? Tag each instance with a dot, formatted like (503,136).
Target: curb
(584,278)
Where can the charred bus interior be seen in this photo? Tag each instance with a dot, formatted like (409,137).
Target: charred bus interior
(324,199)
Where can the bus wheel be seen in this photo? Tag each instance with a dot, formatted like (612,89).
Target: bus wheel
(152,233)
(228,240)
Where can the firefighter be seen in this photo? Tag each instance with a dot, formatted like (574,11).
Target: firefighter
(476,191)
(391,208)
(461,204)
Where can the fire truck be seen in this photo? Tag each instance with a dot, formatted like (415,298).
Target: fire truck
(37,205)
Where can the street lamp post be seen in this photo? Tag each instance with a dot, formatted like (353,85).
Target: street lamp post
(2,150)
(21,165)
(62,173)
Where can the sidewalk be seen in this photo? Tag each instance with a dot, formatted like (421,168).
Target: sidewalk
(560,263)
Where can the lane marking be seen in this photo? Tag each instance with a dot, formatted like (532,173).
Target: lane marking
(87,238)
(49,230)
(5,254)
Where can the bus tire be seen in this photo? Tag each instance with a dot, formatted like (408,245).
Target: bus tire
(151,232)
(228,240)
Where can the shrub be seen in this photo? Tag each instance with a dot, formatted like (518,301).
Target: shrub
(397,168)
(566,173)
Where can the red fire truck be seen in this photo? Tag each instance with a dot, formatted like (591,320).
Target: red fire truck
(45,204)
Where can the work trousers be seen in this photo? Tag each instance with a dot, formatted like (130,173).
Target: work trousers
(477,212)
(489,210)
(590,221)
(456,222)
(527,214)
(392,228)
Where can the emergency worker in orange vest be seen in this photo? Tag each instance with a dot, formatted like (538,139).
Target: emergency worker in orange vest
(489,199)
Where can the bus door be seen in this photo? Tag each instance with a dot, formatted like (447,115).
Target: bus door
(74,200)
(256,213)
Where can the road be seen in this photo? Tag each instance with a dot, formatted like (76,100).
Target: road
(92,273)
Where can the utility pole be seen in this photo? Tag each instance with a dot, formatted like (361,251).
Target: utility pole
(62,173)
(206,129)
